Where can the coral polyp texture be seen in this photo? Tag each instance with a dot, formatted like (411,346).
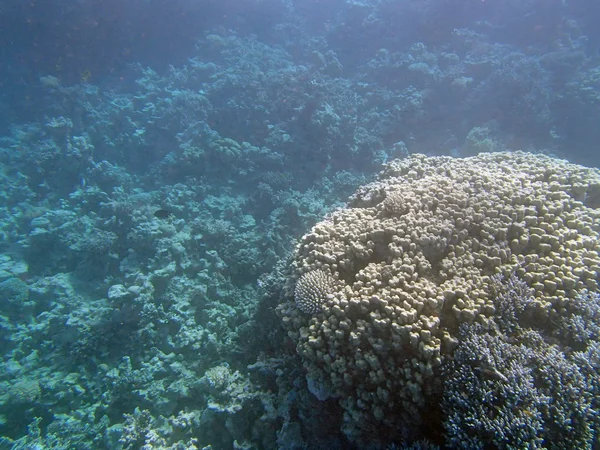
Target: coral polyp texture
(414,256)
(312,290)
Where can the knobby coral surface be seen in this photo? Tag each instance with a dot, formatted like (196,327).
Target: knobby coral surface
(414,256)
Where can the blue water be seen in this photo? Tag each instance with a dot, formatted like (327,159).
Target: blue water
(159,161)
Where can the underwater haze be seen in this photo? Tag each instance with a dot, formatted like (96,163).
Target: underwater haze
(300,224)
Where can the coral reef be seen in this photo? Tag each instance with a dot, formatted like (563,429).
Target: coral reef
(515,385)
(413,270)
(153,177)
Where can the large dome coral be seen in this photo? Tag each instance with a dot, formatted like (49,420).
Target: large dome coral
(413,257)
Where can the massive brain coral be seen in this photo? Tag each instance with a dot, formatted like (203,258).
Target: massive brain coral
(411,258)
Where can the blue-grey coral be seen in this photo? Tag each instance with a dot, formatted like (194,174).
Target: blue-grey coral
(517,387)
(581,323)
(515,395)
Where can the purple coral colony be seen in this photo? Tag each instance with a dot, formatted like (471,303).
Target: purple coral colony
(300,224)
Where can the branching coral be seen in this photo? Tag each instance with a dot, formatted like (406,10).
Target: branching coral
(514,387)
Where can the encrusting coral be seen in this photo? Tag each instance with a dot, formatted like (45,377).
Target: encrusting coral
(414,256)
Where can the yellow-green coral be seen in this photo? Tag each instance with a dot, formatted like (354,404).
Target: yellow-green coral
(312,290)
(413,255)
